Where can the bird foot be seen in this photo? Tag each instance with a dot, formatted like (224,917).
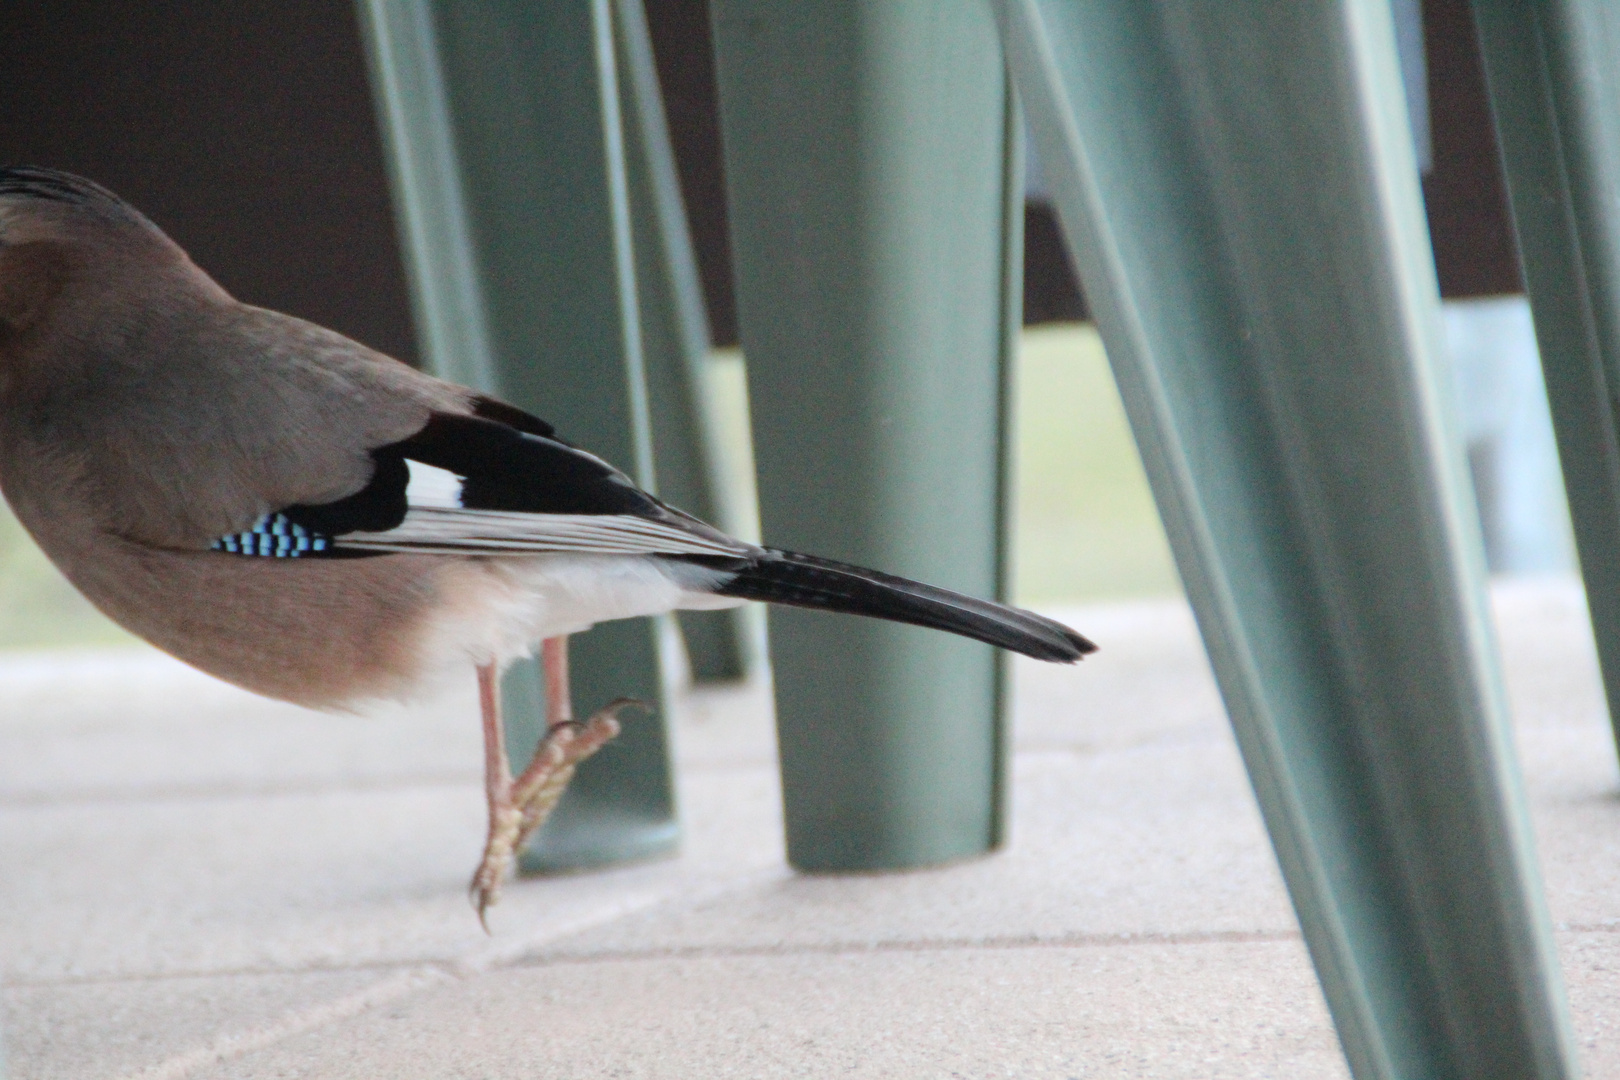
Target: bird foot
(534,794)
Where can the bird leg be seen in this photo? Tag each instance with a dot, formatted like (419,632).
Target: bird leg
(505,819)
(545,779)
(518,807)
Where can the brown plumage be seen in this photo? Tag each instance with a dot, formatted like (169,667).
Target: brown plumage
(125,473)
(307,518)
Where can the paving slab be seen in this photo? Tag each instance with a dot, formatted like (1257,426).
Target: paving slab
(1211,1010)
(109,724)
(293,882)
(198,883)
(1131,844)
(95,1028)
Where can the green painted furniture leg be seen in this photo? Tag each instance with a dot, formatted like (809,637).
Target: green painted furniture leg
(675,341)
(1554,75)
(1238,188)
(503,125)
(867,164)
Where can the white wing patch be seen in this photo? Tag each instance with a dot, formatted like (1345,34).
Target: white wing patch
(436,522)
(432,486)
(455,531)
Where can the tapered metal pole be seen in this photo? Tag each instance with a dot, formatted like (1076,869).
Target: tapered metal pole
(1238,188)
(1553,70)
(867,152)
(505,139)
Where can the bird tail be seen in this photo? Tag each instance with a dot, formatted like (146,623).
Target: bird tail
(784,577)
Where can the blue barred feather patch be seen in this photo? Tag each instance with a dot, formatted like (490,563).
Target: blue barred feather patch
(275,536)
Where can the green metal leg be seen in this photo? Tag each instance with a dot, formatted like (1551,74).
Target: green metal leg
(503,125)
(867,154)
(675,340)
(1012,327)
(1551,68)
(1238,188)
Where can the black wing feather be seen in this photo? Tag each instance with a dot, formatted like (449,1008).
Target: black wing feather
(377,507)
(507,469)
(510,460)
(513,417)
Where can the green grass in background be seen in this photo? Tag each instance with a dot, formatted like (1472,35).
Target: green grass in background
(37,605)
(1084,523)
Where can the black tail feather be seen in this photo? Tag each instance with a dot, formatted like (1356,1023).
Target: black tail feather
(783,577)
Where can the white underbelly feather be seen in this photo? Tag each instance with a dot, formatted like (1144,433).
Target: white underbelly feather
(513,603)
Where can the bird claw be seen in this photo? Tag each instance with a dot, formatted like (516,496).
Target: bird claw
(485,888)
(536,793)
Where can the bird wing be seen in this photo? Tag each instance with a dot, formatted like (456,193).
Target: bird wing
(495,482)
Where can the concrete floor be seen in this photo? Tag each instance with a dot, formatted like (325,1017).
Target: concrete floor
(199,883)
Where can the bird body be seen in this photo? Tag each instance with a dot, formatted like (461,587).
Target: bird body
(133,440)
(295,513)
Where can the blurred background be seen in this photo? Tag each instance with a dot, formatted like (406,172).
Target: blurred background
(246,131)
